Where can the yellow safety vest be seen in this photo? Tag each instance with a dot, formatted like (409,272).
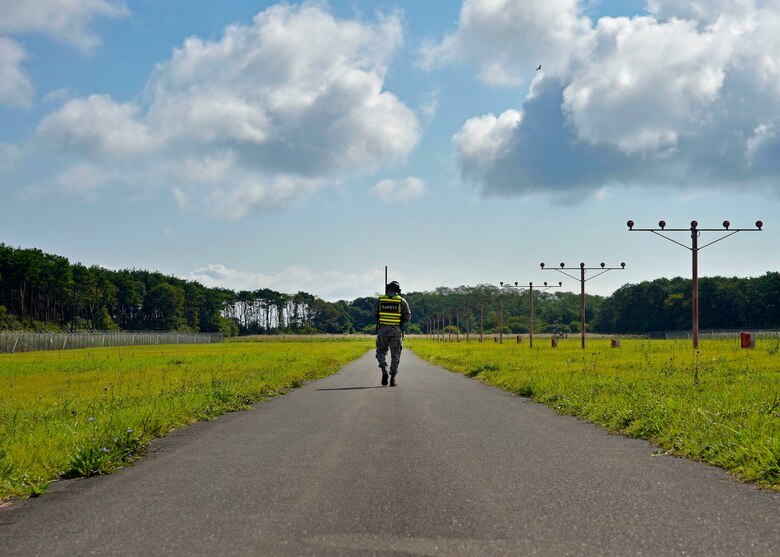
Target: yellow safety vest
(390,310)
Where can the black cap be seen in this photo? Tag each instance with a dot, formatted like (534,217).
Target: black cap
(393,287)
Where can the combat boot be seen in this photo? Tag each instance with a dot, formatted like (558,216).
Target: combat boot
(384,375)
(392,380)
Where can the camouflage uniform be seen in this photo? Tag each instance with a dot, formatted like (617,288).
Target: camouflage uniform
(391,336)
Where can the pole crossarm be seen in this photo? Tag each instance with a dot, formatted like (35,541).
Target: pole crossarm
(582,266)
(695,232)
(524,287)
(694,228)
(603,268)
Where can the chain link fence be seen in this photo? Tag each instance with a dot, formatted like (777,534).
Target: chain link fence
(11,342)
(713,334)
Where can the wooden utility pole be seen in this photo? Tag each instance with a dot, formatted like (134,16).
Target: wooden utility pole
(481,319)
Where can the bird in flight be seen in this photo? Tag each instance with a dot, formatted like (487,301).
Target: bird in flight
(539,68)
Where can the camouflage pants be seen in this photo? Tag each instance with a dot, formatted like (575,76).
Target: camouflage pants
(395,343)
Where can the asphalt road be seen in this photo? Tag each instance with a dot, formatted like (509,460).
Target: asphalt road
(440,465)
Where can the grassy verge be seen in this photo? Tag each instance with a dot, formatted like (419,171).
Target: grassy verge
(720,404)
(86,412)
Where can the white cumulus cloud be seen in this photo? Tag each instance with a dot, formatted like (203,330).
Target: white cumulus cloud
(97,127)
(690,92)
(15,87)
(262,115)
(507,39)
(298,91)
(484,139)
(646,83)
(240,200)
(399,191)
(703,12)
(66,20)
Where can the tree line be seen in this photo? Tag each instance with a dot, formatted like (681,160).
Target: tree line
(665,305)
(41,291)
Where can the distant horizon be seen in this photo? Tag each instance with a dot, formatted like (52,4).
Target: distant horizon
(537,284)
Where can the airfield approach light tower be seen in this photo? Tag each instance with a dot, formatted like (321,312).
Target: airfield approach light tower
(695,232)
(530,287)
(582,268)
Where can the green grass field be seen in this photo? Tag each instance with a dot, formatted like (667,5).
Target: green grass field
(86,412)
(720,405)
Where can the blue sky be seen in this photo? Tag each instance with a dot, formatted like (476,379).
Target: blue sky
(306,145)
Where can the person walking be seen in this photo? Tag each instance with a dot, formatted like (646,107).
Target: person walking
(391,312)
